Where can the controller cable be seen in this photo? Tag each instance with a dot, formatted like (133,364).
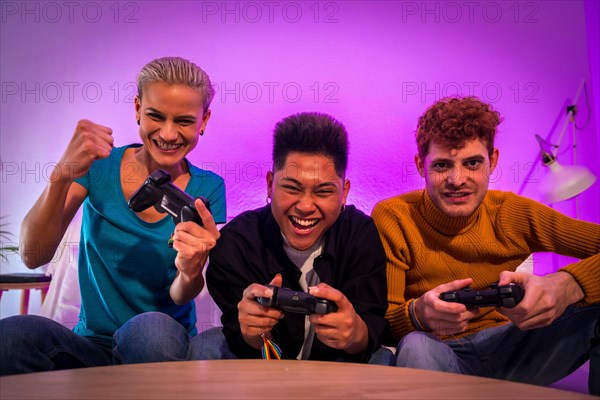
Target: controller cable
(269,349)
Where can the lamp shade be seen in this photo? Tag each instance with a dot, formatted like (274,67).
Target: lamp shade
(562,183)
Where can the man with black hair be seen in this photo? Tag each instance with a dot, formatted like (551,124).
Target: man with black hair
(307,239)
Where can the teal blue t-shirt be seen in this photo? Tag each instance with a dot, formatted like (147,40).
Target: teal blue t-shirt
(125,264)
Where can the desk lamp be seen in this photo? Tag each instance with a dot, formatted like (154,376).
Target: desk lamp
(563,182)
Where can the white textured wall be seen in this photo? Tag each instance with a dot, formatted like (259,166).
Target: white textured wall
(374,65)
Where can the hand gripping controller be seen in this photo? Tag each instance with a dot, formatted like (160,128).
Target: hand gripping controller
(158,191)
(297,302)
(495,296)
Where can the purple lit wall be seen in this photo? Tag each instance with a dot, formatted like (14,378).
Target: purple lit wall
(373,65)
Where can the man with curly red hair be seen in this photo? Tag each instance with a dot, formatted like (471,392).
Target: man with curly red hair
(456,233)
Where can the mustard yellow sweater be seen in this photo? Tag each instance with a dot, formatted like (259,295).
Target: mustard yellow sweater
(426,248)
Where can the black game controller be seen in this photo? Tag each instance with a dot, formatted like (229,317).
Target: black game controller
(297,302)
(495,296)
(158,191)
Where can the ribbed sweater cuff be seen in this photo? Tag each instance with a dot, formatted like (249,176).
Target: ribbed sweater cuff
(400,322)
(587,274)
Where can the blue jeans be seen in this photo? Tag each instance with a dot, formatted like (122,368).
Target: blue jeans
(539,356)
(383,356)
(30,343)
(166,340)
(211,345)
(214,346)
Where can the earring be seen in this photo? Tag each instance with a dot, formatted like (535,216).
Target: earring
(201,132)
(343,207)
(268,199)
(138,121)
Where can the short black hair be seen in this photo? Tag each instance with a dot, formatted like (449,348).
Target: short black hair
(314,133)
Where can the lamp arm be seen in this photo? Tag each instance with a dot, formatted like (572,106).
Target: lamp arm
(551,155)
(571,110)
(547,158)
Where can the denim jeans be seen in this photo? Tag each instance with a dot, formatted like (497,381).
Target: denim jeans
(383,356)
(539,356)
(30,343)
(212,345)
(155,337)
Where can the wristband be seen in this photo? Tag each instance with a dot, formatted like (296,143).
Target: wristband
(415,319)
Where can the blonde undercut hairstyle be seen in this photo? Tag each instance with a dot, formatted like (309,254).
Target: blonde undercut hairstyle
(177,70)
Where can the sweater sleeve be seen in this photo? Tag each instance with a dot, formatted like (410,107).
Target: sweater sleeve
(396,250)
(547,230)
(587,274)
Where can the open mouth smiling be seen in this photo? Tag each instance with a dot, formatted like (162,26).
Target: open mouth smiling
(168,147)
(304,224)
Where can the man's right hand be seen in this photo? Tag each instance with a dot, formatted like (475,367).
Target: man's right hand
(441,317)
(255,319)
(90,142)
(546,298)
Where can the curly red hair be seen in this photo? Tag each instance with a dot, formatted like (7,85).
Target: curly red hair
(452,121)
